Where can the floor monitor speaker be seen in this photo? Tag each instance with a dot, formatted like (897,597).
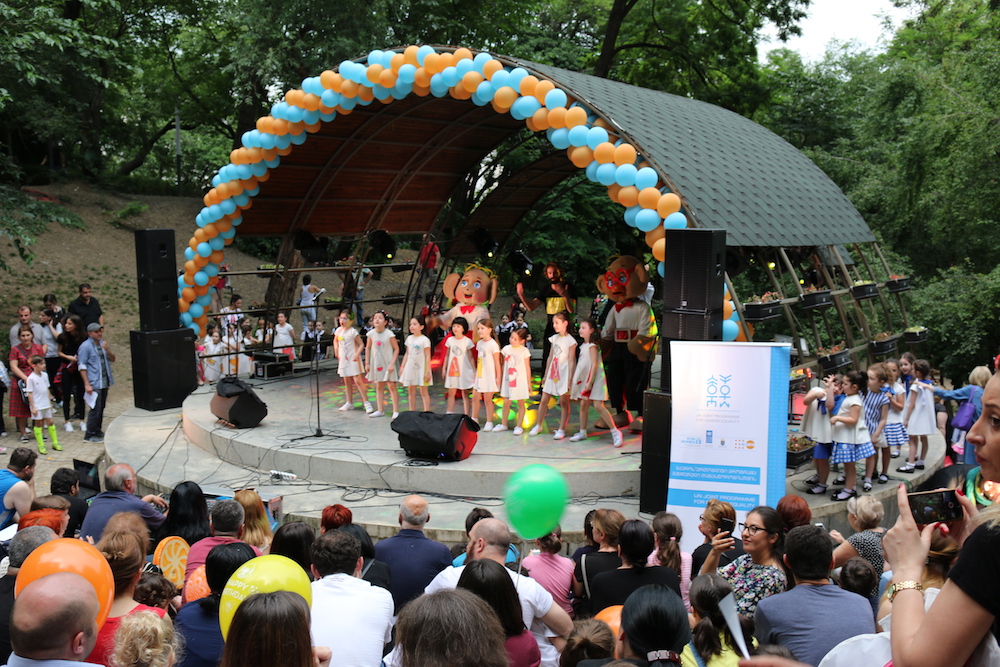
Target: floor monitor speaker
(427,435)
(163,368)
(236,402)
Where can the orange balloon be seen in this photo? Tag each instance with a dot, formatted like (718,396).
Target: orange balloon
(201,235)
(613,189)
(182,305)
(410,54)
(727,309)
(201,290)
(193,243)
(262,123)
(497,107)
(387,78)
(541,119)
(529,123)
(471,80)
(229,241)
(262,179)
(446,60)
(463,54)
(311,102)
(296,129)
(460,93)
(253,155)
(628,196)
(366,93)
(212,281)
(222,191)
(235,156)
(605,153)
(669,203)
(374,72)
(387,100)
(421,78)
(196,587)
(612,616)
(658,249)
(240,209)
(528,84)
(235,188)
(649,197)
(210,231)
(76,556)
(576,116)
(223,225)
(279,126)
(207,200)
(542,89)
(505,97)
(581,156)
(653,236)
(199,263)
(295,96)
(217,256)
(600,122)
(432,63)
(557,117)
(331,80)
(188,294)
(490,68)
(287,150)
(396,61)
(349,89)
(625,154)
(190,266)
(269,153)
(189,280)
(421,91)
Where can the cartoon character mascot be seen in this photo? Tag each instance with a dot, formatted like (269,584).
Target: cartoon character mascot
(629,335)
(470,291)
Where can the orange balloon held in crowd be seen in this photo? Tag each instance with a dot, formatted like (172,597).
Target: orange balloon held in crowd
(76,556)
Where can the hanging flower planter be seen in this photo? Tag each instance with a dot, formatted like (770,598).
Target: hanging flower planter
(898,284)
(816,300)
(798,452)
(864,291)
(831,362)
(762,308)
(883,347)
(915,335)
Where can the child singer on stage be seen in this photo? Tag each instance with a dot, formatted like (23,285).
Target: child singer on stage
(820,404)
(488,369)
(589,385)
(347,349)
(516,379)
(851,440)
(415,372)
(383,349)
(459,369)
(562,356)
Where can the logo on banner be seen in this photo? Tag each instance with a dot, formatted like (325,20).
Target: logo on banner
(717,391)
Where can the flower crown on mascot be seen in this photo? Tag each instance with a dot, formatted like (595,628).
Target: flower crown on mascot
(629,334)
(472,292)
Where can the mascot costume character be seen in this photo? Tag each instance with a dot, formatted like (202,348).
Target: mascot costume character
(470,291)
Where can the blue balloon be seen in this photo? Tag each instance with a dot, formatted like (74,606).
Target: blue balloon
(625,175)
(676,221)
(189,253)
(630,214)
(387,58)
(200,218)
(406,72)
(524,107)
(228,206)
(555,98)
(237,221)
(450,76)
(375,57)
(606,173)
(348,103)
(216,181)
(242,199)
(247,139)
(423,52)
(578,136)
(217,243)
(592,171)
(295,114)
(479,101)
(196,328)
(659,269)
(735,317)
(486,90)
(180,282)
(730,330)
(283,141)
(500,78)
(196,310)
(595,136)
(267,140)
(309,118)
(330,98)
(258,168)
(646,178)
(381,92)
(186,318)
(204,249)
(271,164)
(560,138)
(204,299)
(326,118)
(480,60)
(229,233)
(201,279)
(243,172)
(214,212)
(647,220)
(463,67)
(211,270)
(516,75)
(298,139)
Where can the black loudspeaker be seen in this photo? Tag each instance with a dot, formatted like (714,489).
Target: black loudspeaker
(654,475)
(427,435)
(164,368)
(158,304)
(235,402)
(155,257)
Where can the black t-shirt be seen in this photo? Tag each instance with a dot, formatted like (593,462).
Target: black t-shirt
(613,587)
(88,312)
(559,302)
(597,562)
(977,571)
(77,513)
(699,555)
(70,345)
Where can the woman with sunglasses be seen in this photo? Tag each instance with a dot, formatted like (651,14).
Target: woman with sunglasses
(759,573)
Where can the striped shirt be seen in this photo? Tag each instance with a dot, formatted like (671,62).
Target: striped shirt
(873,402)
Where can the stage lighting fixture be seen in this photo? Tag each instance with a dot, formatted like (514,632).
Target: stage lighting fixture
(484,243)
(519,262)
(382,243)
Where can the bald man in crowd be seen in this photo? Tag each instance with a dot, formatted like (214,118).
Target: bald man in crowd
(120,484)
(54,619)
(24,542)
(413,558)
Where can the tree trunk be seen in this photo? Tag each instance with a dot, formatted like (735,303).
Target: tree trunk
(616,18)
(144,150)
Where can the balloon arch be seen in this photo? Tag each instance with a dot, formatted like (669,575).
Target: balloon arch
(589,141)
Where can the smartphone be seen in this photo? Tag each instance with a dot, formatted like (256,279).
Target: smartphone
(931,506)
(727,525)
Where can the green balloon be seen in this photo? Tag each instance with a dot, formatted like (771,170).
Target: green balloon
(535,497)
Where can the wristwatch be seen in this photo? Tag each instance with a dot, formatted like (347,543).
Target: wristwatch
(902,586)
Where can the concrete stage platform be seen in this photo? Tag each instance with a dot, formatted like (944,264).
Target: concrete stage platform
(357,461)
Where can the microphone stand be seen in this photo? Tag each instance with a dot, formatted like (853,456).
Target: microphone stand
(315,360)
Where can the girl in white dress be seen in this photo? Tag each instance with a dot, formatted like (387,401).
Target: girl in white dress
(245,364)
(488,368)
(516,379)
(562,356)
(920,420)
(895,432)
(347,349)
(415,372)
(284,336)
(215,366)
(589,384)
(380,357)
(851,440)
(459,370)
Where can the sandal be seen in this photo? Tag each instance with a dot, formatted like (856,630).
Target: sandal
(817,490)
(895,453)
(867,486)
(845,494)
(813,481)
(907,467)
(883,478)
(840,481)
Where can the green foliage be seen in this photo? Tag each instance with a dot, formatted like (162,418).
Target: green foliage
(22,218)
(131,210)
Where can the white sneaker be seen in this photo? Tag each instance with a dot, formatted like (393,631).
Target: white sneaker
(488,426)
(346,406)
(369,408)
(559,434)
(578,436)
(517,430)
(535,430)
(499,427)
(68,427)
(616,438)
(377,413)
(395,414)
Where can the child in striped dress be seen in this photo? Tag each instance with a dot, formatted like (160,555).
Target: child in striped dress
(876,413)
(851,440)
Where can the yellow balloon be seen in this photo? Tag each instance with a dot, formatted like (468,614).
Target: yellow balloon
(264,574)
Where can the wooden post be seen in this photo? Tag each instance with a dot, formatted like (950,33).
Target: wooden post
(838,304)
(788,311)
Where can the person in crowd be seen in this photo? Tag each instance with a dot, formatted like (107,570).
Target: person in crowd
(145,640)
(348,612)
(24,316)
(973,391)
(589,545)
(21,545)
(271,629)
(294,540)
(310,341)
(20,368)
(759,573)
(65,483)
(334,516)
(712,642)
(668,531)
(816,614)
(607,523)
(40,404)
(794,511)
(155,590)
(488,579)
(490,538)
(51,329)
(256,525)
(941,557)
(413,558)
(198,621)
(51,301)
(120,482)
(654,629)
(231,315)
(635,543)
(449,628)
(865,517)
(552,571)
(126,554)
(69,342)
(307,300)
(590,640)
(16,488)
(227,527)
(717,512)
(426,267)
(373,571)
(858,576)
(558,295)
(87,307)
(188,516)
(54,621)
(95,359)
(130,522)
(475,515)
(55,519)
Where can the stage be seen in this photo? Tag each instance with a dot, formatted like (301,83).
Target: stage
(358,462)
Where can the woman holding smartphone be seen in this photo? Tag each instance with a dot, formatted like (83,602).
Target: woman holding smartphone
(966,610)
(718,516)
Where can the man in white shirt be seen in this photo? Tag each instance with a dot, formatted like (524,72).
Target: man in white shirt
(348,614)
(490,538)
